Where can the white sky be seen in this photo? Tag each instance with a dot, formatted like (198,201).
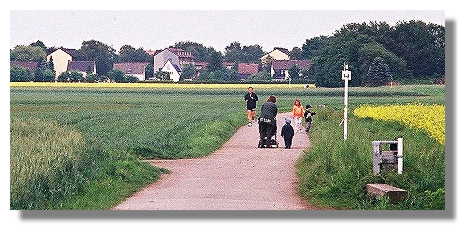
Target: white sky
(159,29)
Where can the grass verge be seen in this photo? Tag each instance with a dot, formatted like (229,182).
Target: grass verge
(52,167)
(334,172)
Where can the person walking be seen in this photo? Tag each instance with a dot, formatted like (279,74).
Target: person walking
(267,121)
(297,114)
(251,98)
(287,133)
(308,115)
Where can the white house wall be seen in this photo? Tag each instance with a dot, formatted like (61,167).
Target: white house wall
(174,75)
(60,59)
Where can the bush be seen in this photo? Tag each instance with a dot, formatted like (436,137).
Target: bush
(219,75)
(263,76)
(70,76)
(117,76)
(91,78)
(131,79)
(19,74)
(44,75)
(164,76)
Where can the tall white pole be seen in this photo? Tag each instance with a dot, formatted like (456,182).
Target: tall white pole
(346,76)
(345,129)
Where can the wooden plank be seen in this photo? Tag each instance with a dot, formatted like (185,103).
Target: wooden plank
(379,190)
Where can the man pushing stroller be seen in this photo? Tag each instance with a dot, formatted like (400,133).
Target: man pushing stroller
(267,123)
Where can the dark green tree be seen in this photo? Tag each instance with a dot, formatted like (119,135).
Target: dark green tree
(312,47)
(149,70)
(28,53)
(128,53)
(102,54)
(378,74)
(296,54)
(40,44)
(20,74)
(294,73)
(215,62)
(188,72)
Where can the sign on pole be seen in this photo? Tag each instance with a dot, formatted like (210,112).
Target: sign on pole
(346,77)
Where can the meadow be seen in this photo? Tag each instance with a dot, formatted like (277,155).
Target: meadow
(112,128)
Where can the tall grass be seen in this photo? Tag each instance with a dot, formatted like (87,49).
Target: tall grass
(53,167)
(44,160)
(334,172)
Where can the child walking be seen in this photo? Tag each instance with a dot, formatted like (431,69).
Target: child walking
(308,115)
(287,133)
(298,114)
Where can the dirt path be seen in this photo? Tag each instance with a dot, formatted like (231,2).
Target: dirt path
(238,176)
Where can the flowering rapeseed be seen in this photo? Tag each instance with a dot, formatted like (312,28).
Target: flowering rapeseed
(428,117)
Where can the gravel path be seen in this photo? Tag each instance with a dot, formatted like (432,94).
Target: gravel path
(238,176)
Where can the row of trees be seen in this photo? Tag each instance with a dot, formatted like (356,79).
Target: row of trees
(407,51)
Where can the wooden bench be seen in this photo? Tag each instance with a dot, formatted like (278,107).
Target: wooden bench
(393,193)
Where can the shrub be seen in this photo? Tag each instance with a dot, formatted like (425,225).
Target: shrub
(164,76)
(43,75)
(19,74)
(70,76)
(117,75)
(91,78)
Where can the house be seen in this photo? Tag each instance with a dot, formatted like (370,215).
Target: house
(161,57)
(200,65)
(29,65)
(278,53)
(60,58)
(173,69)
(245,70)
(150,52)
(136,69)
(229,65)
(280,68)
(185,57)
(83,67)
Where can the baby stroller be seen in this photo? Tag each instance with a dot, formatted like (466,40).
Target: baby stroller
(268,134)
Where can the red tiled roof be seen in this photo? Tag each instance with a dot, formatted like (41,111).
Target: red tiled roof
(29,65)
(131,68)
(287,64)
(247,69)
(72,52)
(201,65)
(82,66)
(180,52)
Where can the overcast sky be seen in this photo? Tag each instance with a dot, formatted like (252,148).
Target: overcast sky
(159,29)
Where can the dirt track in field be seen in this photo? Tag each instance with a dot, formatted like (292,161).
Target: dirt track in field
(238,176)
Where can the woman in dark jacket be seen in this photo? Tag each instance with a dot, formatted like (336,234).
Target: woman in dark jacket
(267,119)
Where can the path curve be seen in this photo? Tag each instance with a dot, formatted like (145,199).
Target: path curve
(238,176)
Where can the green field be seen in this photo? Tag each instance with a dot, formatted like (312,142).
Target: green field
(118,126)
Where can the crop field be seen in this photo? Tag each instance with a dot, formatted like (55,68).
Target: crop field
(117,126)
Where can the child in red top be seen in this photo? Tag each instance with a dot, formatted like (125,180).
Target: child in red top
(298,113)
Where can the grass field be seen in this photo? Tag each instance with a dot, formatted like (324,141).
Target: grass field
(119,125)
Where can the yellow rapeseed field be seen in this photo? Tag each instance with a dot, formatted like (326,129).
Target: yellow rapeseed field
(428,117)
(155,85)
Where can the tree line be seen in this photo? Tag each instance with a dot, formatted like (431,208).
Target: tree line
(376,53)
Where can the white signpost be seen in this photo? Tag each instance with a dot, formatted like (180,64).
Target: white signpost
(346,76)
